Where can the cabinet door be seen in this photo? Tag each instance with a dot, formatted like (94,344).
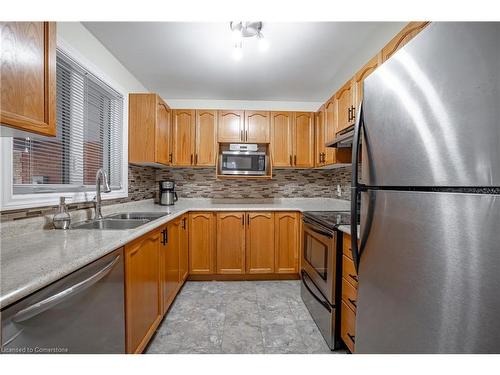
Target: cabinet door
(163,138)
(230,126)
(231,243)
(201,243)
(345,101)
(142,290)
(257,126)
(364,72)
(282,139)
(287,242)
(303,139)
(171,262)
(402,38)
(330,129)
(183,137)
(206,138)
(183,250)
(28,76)
(260,242)
(320,154)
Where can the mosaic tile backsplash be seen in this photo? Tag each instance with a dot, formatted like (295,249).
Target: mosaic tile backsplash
(201,183)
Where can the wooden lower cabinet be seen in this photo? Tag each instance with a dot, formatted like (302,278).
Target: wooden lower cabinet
(349,295)
(230,243)
(170,263)
(259,242)
(201,243)
(286,242)
(348,326)
(142,290)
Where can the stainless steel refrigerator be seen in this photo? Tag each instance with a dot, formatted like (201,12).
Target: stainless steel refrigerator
(428,189)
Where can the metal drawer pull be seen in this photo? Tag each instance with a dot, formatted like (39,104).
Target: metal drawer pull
(355,278)
(353,301)
(351,337)
(51,301)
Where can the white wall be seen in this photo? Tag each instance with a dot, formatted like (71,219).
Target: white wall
(243,104)
(78,39)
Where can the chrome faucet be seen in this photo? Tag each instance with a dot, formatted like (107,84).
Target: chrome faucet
(100,177)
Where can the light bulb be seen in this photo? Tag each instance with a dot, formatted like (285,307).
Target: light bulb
(237,52)
(263,43)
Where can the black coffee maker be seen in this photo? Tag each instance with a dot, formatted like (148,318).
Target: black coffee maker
(168,196)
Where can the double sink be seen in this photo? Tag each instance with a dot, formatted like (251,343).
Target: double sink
(120,221)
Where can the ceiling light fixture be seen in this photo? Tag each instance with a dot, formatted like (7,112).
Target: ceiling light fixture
(247,29)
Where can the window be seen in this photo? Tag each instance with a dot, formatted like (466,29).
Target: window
(91,113)
(89,137)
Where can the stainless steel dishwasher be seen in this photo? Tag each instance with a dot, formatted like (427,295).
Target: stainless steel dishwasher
(81,313)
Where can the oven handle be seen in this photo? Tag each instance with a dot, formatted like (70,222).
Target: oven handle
(315,228)
(325,304)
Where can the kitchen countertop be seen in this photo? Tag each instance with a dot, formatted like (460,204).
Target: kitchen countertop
(31,261)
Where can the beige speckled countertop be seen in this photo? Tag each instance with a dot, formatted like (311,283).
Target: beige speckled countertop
(33,259)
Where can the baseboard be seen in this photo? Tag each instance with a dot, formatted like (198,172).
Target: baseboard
(247,277)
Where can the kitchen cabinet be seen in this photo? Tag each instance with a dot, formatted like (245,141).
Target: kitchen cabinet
(282,139)
(149,130)
(345,106)
(202,243)
(259,242)
(361,75)
(330,119)
(349,295)
(230,243)
(170,262)
(231,126)
(28,76)
(142,290)
(287,242)
(319,122)
(183,250)
(402,38)
(183,137)
(206,138)
(303,140)
(257,126)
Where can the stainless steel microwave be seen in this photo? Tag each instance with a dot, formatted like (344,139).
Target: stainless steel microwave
(244,159)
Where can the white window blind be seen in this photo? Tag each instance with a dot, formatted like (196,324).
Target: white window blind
(89,137)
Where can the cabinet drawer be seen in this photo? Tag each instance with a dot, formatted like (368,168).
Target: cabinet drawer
(349,294)
(348,326)
(349,271)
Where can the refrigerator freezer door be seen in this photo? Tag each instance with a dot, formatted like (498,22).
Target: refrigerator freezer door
(432,113)
(429,276)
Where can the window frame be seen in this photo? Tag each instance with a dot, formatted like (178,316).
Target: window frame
(11,201)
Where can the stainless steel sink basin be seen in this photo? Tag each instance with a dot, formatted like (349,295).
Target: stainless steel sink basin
(137,215)
(111,224)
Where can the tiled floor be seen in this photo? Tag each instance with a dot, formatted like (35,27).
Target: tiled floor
(238,317)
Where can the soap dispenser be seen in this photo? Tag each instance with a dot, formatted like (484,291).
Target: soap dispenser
(62,219)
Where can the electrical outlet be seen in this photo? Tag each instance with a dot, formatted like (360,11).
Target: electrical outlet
(339,191)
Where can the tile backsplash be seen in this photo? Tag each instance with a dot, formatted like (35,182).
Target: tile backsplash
(201,183)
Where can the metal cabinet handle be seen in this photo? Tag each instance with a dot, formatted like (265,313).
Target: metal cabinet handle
(353,301)
(351,337)
(295,160)
(170,157)
(246,135)
(349,114)
(57,298)
(242,136)
(191,158)
(353,113)
(354,277)
(291,161)
(195,159)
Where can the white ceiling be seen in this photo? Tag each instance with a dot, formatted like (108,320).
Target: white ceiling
(306,61)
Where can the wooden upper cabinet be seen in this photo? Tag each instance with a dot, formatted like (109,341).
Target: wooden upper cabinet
(230,243)
(163,140)
(364,72)
(330,130)
(183,249)
(320,154)
(282,139)
(201,243)
(183,134)
(303,140)
(142,290)
(28,76)
(345,106)
(402,38)
(149,126)
(257,127)
(286,242)
(260,242)
(206,138)
(231,126)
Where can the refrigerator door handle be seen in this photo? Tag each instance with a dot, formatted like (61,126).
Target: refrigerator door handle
(355,187)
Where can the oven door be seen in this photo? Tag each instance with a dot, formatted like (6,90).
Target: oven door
(243,163)
(319,258)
